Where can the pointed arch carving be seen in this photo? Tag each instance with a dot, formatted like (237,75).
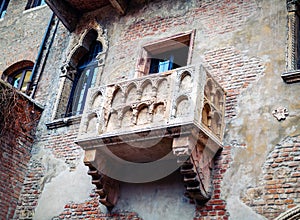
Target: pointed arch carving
(78,47)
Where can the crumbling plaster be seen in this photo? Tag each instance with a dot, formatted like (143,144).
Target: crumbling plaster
(59,185)
(254,132)
(146,199)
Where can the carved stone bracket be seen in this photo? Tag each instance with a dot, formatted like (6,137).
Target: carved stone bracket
(196,161)
(106,187)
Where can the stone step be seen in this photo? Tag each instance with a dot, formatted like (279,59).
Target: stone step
(100,192)
(94,174)
(187,171)
(105,202)
(97,182)
(191,182)
(193,189)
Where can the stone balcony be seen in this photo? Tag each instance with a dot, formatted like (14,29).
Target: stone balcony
(155,125)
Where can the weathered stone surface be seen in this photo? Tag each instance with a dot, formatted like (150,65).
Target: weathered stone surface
(243,44)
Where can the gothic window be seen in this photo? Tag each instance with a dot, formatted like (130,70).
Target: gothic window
(293,44)
(84,79)
(166,54)
(34,3)
(3,7)
(80,71)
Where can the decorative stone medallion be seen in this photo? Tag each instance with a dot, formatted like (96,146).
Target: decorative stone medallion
(280,113)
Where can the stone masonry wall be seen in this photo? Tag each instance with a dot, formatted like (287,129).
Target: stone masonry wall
(232,39)
(18,121)
(19,40)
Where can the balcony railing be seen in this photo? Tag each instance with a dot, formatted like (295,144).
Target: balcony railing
(144,119)
(178,97)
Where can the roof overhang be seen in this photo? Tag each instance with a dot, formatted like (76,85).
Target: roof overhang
(70,11)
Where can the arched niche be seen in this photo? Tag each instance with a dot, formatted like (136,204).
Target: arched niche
(159,112)
(206,112)
(216,123)
(208,89)
(97,100)
(92,124)
(142,116)
(162,89)
(218,100)
(185,81)
(182,106)
(127,117)
(117,98)
(131,93)
(146,90)
(113,121)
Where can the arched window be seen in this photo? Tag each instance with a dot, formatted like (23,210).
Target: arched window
(84,79)
(19,75)
(21,79)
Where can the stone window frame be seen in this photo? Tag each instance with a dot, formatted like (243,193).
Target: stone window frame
(143,63)
(78,44)
(292,74)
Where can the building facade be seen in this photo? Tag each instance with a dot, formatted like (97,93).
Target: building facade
(153,109)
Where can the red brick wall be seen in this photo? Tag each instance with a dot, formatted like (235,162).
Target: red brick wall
(280,183)
(235,72)
(208,13)
(61,145)
(233,69)
(215,208)
(90,210)
(16,139)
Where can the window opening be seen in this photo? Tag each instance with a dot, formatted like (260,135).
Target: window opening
(34,3)
(85,78)
(21,79)
(167,54)
(3,8)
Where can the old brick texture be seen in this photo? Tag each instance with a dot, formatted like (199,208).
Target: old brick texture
(90,210)
(218,25)
(17,129)
(215,208)
(235,72)
(280,182)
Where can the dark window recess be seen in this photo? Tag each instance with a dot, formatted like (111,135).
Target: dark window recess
(298,41)
(3,7)
(168,60)
(166,54)
(34,3)
(21,79)
(84,79)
